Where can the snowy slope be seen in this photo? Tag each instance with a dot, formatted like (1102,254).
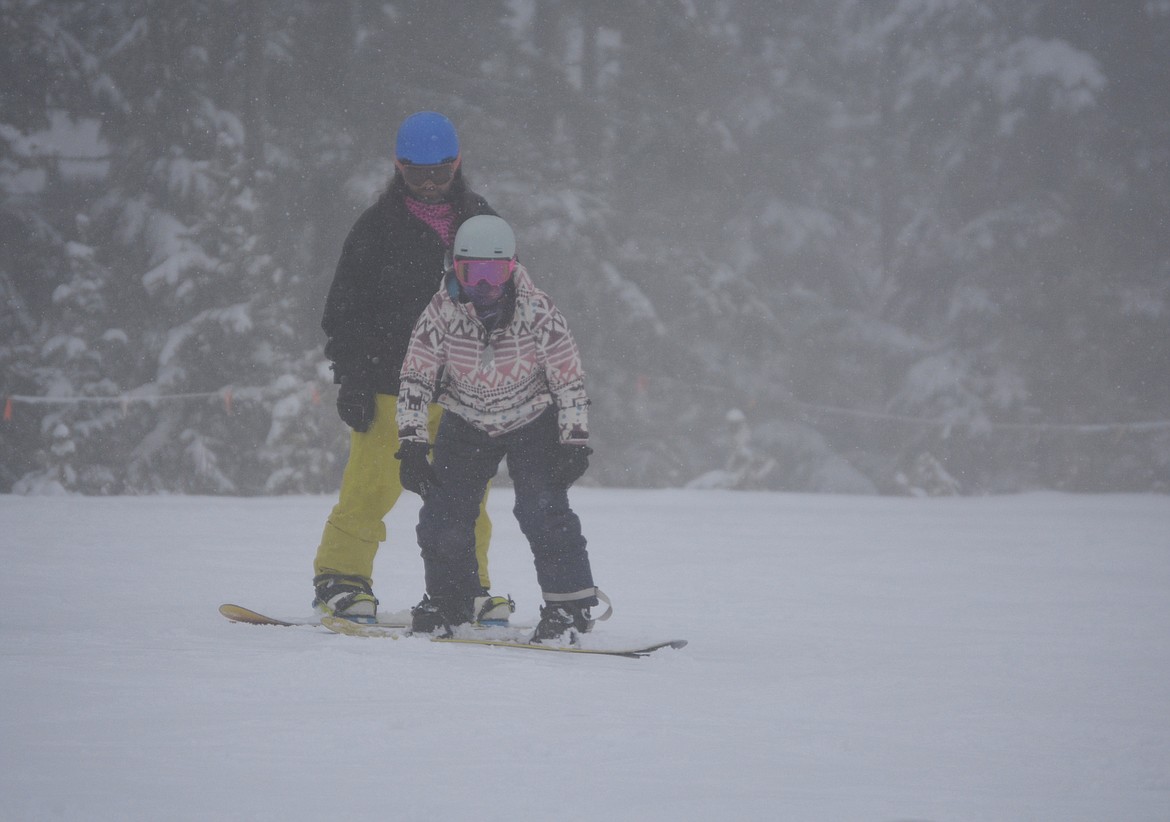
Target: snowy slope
(850,658)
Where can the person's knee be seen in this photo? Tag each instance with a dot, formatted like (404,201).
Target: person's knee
(543,514)
(444,535)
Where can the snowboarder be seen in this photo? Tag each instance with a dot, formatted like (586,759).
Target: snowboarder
(390,264)
(498,356)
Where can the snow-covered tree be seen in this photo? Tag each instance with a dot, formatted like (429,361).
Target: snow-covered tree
(892,233)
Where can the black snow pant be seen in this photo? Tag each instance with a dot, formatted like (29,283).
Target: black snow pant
(465,459)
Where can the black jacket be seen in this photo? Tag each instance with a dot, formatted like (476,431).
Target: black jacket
(390,267)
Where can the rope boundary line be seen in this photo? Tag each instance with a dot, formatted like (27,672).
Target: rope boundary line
(227,396)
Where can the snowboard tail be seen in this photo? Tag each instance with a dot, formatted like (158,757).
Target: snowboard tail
(238,613)
(636,652)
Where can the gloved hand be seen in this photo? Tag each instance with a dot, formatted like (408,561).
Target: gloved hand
(571,462)
(415,473)
(355,404)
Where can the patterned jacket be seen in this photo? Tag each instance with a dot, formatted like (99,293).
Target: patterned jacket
(497,382)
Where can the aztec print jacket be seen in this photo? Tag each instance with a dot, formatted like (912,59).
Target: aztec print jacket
(497,382)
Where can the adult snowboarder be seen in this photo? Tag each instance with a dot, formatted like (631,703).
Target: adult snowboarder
(390,265)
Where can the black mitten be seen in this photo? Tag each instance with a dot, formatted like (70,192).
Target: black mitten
(571,463)
(356,404)
(415,473)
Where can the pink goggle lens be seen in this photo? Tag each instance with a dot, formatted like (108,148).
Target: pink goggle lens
(493,272)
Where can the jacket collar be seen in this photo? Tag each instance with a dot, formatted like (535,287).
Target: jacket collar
(520,286)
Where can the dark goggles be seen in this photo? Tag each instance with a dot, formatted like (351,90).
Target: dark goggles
(438,173)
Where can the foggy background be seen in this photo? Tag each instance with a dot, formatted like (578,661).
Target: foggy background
(870,246)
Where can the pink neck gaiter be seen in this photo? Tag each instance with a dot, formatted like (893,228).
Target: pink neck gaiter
(439,216)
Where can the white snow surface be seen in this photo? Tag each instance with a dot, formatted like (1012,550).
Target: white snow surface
(850,658)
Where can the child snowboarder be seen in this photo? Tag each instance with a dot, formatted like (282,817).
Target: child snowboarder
(497,355)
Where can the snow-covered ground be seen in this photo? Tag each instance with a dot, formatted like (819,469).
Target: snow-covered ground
(850,658)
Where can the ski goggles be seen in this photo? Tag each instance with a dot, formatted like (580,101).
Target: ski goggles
(493,272)
(437,173)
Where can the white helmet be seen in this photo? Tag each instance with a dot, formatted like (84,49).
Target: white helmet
(485,237)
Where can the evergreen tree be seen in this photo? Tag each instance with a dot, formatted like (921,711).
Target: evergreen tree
(872,229)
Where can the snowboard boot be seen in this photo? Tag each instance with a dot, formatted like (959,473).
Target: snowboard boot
(345,596)
(440,615)
(490,610)
(562,623)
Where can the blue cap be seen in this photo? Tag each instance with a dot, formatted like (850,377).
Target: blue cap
(426,138)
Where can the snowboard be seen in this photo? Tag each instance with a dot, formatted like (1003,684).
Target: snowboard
(238,613)
(496,636)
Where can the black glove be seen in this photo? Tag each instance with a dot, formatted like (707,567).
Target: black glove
(415,473)
(355,404)
(570,463)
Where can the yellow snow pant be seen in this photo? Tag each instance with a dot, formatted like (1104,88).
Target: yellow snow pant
(369,489)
